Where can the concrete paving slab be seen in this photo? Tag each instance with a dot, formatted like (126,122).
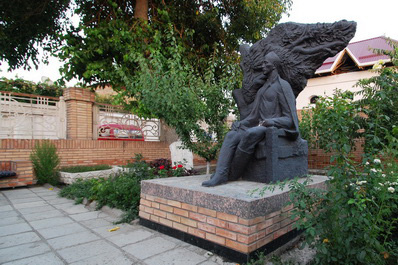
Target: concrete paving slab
(35,189)
(14,229)
(18,239)
(72,240)
(15,192)
(47,258)
(148,248)
(4,202)
(51,222)
(9,214)
(58,200)
(23,251)
(11,220)
(37,209)
(49,196)
(76,209)
(104,231)
(77,235)
(30,205)
(66,205)
(6,208)
(130,238)
(197,250)
(43,215)
(26,200)
(61,230)
(96,223)
(117,258)
(85,216)
(179,256)
(208,262)
(84,251)
(12,197)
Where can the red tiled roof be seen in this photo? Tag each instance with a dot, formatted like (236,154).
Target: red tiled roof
(361,52)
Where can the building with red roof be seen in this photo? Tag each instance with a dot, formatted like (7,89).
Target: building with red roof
(345,69)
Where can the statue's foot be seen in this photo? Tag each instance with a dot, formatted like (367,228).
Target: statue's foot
(214,181)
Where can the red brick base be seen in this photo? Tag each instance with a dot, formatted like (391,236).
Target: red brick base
(232,231)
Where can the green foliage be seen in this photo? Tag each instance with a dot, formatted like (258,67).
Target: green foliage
(180,66)
(109,33)
(379,103)
(170,89)
(121,191)
(26,25)
(45,162)
(78,190)
(354,221)
(77,169)
(23,86)
(105,99)
(332,117)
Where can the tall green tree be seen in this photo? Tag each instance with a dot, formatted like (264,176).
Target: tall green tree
(25,25)
(111,30)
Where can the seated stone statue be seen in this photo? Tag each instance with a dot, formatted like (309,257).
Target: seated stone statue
(274,106)
(266,141)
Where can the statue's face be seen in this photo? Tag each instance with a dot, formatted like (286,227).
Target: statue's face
(268,67)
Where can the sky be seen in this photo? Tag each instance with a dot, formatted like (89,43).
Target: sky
(374,18)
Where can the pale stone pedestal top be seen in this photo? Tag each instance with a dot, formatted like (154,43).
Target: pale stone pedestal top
(233,197)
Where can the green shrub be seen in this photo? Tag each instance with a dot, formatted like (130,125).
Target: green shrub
(121,191)
(77,169)
(19,85)
(79,190)
(354,221)
(45,162)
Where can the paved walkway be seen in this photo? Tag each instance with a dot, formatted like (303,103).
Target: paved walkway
(38,227)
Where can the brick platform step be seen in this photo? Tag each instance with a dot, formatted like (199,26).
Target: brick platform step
(226,219)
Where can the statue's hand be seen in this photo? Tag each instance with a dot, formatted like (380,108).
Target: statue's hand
(267,123)
(235,126)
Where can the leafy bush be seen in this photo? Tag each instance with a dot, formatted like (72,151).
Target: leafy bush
(77,169)
(355,221)
(45,162)
(123,190)
(28,87)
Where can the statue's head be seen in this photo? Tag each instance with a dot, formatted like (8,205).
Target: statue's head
(271,62)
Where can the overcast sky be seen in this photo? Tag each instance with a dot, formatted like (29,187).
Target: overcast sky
(374,18)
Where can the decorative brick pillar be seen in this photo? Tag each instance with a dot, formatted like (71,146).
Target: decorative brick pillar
(79,113)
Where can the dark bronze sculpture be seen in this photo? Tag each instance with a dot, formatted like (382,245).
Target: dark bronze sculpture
(265,145)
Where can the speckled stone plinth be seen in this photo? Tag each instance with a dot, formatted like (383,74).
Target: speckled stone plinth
(224,219)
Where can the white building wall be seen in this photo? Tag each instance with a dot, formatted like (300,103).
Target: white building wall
(326,85)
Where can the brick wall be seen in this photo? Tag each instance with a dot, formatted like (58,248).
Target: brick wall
(319,159)
(77,152)
(231,231)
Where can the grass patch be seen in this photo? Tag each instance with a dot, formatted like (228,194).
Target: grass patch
(79,169)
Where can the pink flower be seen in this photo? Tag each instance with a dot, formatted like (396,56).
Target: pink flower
(161,167)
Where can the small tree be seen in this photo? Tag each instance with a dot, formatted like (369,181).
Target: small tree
(45,162)
(195,105)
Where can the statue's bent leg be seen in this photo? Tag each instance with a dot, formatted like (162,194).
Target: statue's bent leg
(245,150)
(227,152)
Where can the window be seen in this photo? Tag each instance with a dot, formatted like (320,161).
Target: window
(314,99)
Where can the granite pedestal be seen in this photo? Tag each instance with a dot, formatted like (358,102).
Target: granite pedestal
(225,219)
